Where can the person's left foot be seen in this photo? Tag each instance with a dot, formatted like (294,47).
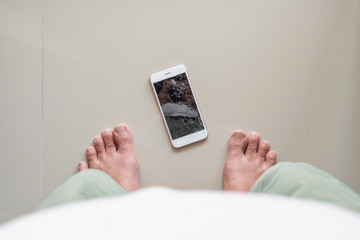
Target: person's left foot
(113,153)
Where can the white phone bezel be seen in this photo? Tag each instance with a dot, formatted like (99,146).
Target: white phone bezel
(168,73)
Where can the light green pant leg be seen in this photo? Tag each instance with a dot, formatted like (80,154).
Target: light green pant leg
(86,184)
(306,181)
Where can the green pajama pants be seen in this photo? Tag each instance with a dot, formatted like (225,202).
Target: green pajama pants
(300,180)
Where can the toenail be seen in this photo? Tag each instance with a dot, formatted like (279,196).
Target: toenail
(108,131)
(121,131)
(253,135)
(238,136)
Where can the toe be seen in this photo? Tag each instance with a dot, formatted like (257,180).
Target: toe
(82,166)
(123,138)
(108,139)
(237,143)
(91,156)
(271,158)
(253,143)
(99,145)
(264,148)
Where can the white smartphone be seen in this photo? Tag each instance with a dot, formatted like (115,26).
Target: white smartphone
(178,106)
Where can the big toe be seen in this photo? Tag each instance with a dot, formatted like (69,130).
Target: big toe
(123,138)
(237,143)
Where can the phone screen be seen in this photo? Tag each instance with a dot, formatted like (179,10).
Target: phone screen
(179,106)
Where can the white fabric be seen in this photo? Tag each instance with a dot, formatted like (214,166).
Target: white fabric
(159,213)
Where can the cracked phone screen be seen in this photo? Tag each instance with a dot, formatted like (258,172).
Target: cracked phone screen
(178,106)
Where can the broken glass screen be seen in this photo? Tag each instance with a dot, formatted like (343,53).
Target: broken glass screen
(178,106)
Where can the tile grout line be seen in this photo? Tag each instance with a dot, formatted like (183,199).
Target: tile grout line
(42,103)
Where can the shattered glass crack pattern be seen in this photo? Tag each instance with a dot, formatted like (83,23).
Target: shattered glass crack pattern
(178,106)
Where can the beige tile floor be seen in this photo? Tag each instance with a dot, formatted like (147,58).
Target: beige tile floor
(68,69)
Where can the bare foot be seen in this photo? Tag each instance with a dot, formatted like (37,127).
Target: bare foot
(247,158)
(113,153)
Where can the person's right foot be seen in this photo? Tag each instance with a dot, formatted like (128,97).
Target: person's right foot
(247,159)
(113,153)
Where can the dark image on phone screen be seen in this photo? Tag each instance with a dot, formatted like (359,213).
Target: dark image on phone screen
(179,106)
